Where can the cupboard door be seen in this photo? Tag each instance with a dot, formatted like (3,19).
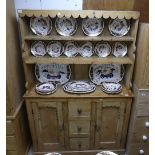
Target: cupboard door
(109,123)
(49,125)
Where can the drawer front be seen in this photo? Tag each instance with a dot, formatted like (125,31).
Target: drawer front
(140,133)
(79,109)
(142,110)
(79,143)
(10,143)
(9,128)
(138,149)
(143,97)
(79,128)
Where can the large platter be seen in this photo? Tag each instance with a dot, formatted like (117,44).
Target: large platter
(38,49)
(71,49)
(111,87)
(119,49)
(66,26)
(79,87)
(59,73)
(102,49)
(92,26)
(106,73)
(46,88)
(86,49)
(54,48)
(119,27)
(41,25)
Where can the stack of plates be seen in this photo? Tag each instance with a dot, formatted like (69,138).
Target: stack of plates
(79,87)
(46,88)
(111,87)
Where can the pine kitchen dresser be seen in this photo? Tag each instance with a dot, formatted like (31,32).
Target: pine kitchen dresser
(78,123)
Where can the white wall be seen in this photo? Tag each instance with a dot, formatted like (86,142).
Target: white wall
(49,4)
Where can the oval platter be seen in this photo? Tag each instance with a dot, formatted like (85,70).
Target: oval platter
(79,87)
(106,73)
(59,73)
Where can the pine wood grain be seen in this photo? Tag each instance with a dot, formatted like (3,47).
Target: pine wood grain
(142,6)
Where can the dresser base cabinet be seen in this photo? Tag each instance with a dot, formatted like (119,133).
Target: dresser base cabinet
(17,132)
(78,125)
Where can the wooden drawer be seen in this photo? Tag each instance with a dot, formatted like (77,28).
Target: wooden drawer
(143,97)
(79,109)
(9,128)
(142,110)
(79,128)
(11,143)
(135,149)
(79,143)
(140,130)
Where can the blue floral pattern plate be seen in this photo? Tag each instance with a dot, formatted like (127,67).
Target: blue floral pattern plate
(106,73)
(58,73)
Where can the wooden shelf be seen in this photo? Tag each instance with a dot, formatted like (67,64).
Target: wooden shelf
(61,94)
(78,38)
(77,60)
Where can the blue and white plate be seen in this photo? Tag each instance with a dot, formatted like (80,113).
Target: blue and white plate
(111,87)
(41,25)
(46,88)
(66,26)
(38,48)
(92,26)
(79,87)
(106,73)
(119,27)
(58,73)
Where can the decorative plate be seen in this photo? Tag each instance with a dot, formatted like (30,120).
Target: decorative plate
(58,73)
(86,49)
(102,49)
(119,49)
(106,73)
(55,48)
(46,88)
(38,48)
(71,49)
(66,26)
(92,26)
(41,25)
(119,27)
(79,87)
(106,153)
(111,87)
